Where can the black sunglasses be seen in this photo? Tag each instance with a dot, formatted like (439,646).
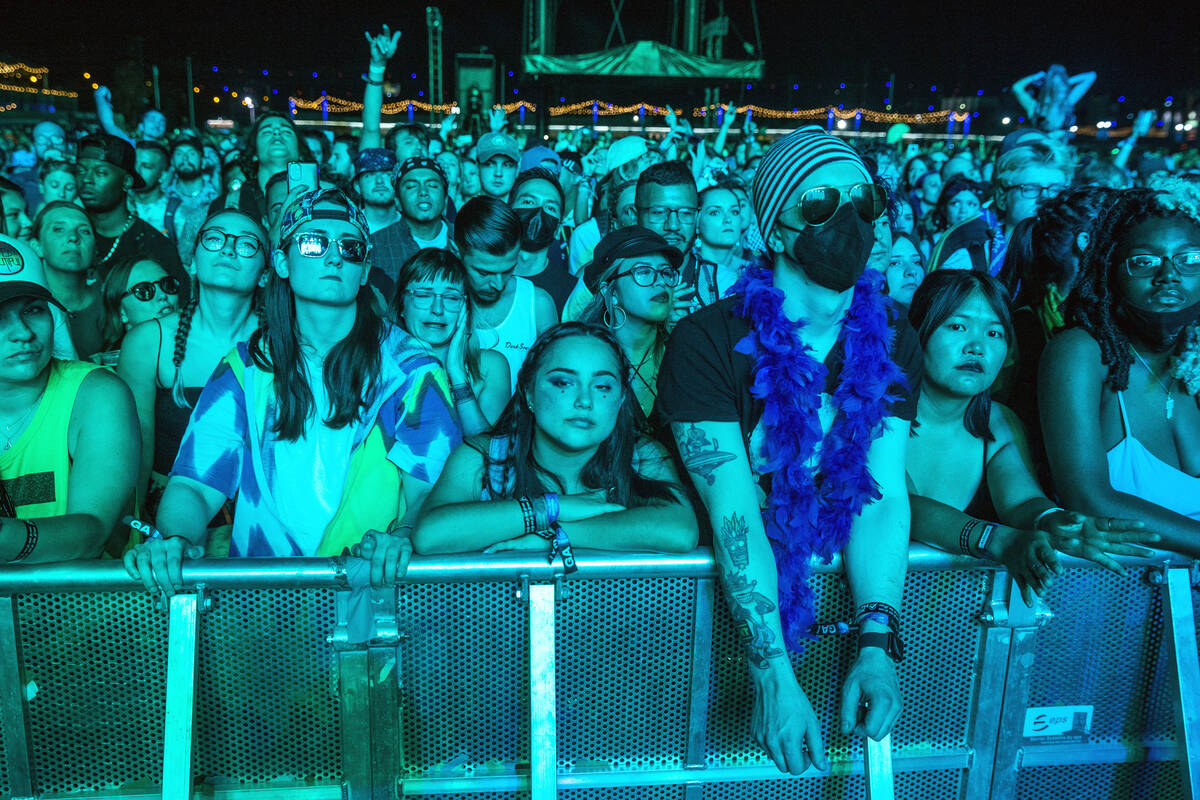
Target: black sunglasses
(146,290)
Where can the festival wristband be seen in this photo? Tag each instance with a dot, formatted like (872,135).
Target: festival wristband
(147,530)
(964,536)
(461,393)
(527,514)
(891,614)
(561,545)
(31,540)
(551,507)
(985,538)
(1038,519)
(541,518)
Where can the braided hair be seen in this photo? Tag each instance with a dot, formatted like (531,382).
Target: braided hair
(188,313)
(1094,302)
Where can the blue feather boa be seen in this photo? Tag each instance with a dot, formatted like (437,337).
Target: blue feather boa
(812,513)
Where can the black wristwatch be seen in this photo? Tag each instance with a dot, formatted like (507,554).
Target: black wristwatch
(890,642)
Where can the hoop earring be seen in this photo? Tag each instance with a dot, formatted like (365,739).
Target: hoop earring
(611,315)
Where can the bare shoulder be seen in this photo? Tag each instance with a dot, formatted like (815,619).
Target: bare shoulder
(491,362)
(100,393)
(1074,347)
(1004,425)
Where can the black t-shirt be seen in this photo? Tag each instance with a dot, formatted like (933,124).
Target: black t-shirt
(702,379)
(142,240)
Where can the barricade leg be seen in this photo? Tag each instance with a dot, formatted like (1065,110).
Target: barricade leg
(1023,620)
(13,714)
(179,724)
(700,686)
(989,686)
(877,766)
(1181,625)
(543,741)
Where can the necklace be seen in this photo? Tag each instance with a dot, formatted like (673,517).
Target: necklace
(637,370)
(117,242)
(19,422)
(1166,387)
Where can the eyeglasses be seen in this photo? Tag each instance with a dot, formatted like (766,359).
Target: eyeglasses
(1035,190)
(646,275)
(214,241)
(316,245)
(1144,265)
(819,204)
(146,290)
(660,214)
(423,299)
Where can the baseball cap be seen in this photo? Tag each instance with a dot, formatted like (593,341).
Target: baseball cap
(623,243)
(624,150)
(374,159)
(534,156)
(420,162)
(21,273)
(304,208)
(495,144)
(113,150)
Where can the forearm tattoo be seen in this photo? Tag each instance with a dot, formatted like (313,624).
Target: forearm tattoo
(750,608)
(701,455)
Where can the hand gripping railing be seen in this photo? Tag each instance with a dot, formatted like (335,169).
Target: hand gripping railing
(988,762)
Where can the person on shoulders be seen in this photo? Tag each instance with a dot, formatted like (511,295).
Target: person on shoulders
(563,467)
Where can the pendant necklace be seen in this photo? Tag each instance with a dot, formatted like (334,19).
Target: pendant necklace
(1166,387)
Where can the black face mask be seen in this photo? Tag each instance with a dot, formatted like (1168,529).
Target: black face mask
(537,228)
(834,255)
(1158,329)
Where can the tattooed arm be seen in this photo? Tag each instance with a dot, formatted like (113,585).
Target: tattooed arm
(783,720)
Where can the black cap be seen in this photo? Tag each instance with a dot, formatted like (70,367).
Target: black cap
(623,243)
(114,150)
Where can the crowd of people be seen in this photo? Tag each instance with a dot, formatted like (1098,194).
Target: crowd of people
(291,343)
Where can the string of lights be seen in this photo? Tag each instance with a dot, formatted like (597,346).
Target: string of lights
(21,68)
(8,87)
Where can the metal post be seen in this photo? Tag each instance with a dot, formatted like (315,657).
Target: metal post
(1181,625)
(877,766)
(383,675)
(178,727)
(700,687)
(14,720)
(1024,621)
(157,94)
(191,93)
(543,734)
(989,685)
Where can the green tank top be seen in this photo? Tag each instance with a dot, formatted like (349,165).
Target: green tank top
(36,468)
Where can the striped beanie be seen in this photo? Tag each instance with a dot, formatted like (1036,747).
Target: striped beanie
(789,161)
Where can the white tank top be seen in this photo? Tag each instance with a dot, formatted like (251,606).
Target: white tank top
(513,337)
(1134,470)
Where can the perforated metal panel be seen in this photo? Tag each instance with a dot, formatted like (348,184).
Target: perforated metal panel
(465,676)
(625,793)
(1162,780)
(934,785)
(99,664)
(1109,653)
(624,650)
(267,707)
(5,781)
(942,638)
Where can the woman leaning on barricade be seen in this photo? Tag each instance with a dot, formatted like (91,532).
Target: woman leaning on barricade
(563,467)
(971,481)
(1117,388)
(329,425)
(166,361)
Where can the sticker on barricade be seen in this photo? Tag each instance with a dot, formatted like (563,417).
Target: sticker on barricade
(1060,723)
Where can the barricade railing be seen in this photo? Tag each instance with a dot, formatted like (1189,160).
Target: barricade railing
(499,677)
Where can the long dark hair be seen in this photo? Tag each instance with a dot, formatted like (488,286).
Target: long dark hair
(1093,303)
(112,292)
(429,264)
(936,299)
(351,370)
(610,467)
(248,158)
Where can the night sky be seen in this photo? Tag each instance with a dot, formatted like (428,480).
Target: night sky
(1145,50)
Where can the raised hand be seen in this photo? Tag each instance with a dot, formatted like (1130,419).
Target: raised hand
(497,119)
(383,46)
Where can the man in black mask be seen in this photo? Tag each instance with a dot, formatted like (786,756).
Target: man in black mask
(790,403)
(537,198)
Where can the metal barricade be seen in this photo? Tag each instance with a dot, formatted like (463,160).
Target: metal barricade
(498,678)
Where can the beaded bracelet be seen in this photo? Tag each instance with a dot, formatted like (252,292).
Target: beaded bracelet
(964,536)
(31,540)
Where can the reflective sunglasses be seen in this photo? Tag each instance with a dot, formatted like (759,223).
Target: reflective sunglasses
(146,290)
(646,275)
(422,299)
(316,245)
(1144,265)
(819,204)
(214,241)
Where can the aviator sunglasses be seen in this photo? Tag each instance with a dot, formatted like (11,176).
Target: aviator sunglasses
(819,204)
(316,245)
